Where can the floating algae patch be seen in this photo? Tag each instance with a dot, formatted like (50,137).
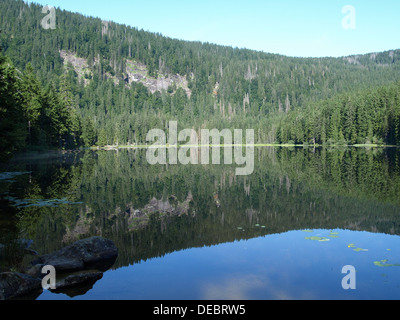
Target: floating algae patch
(352,245)
(384,263)
(26,203)
(320,239)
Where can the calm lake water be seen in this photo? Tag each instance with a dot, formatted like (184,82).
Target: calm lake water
(200,232)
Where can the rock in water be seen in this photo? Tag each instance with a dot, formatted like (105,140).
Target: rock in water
(13,285)
(87,259)
(78,279)
(92,253)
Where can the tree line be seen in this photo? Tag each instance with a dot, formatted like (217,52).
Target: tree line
(367,117)
(32,115)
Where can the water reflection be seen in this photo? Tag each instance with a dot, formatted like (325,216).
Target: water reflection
(155,213)
(279,267)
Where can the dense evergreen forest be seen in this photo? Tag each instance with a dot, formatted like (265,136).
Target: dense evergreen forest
(33,115)
(92,82)
(363,117)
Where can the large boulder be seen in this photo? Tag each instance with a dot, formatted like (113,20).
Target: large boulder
(78,267)
(92,253)
(77,284)
(78,279)
(14,285)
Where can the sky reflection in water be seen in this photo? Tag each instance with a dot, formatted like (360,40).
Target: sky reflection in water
(282,266)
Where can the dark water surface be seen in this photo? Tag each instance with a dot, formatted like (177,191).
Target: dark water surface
(201,232)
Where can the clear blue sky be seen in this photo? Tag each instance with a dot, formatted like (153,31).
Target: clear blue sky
(311,28)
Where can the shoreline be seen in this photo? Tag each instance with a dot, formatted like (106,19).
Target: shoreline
(54,152)
(115,148)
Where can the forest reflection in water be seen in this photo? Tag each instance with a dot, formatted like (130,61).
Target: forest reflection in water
(160,212)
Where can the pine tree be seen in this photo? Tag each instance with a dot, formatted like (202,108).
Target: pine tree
(334,126)
(323,132)
(88,133)
(102,141)
(12,121)
(32,106)
(71,118)
(117,134)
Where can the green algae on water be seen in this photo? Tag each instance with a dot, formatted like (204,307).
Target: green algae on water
(320,239)
(384,263)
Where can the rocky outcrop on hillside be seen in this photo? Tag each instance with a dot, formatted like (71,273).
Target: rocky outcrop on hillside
(79,64)
(135,72)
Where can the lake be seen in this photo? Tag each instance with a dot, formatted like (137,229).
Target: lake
(200,232)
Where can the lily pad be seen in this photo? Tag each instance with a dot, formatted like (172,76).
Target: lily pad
(320,239)
(384,263)
(352,245)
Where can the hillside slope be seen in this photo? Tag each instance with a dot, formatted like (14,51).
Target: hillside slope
(126,81)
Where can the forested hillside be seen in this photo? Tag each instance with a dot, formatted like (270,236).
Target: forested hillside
(122,82)
(32,115)
(363,117)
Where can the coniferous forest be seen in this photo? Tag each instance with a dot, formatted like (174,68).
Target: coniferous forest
(90,82)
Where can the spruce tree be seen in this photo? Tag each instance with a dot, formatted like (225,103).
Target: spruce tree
(12,120)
